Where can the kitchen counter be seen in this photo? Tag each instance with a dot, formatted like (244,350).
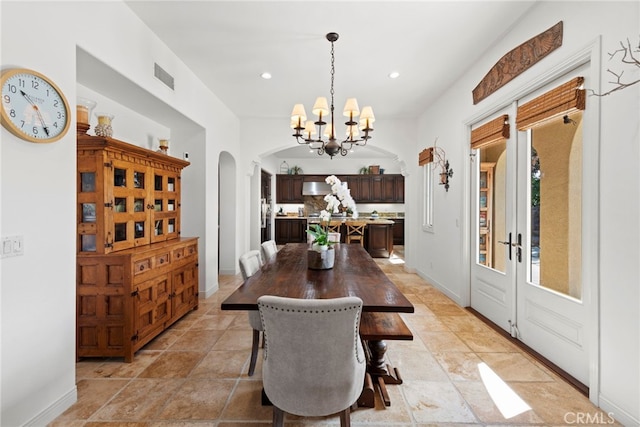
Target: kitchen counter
(316,220)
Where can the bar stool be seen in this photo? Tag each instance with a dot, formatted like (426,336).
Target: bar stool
(334,226)
(355,231)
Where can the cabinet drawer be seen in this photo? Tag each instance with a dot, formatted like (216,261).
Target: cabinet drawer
(178,254)
(142,266)
(161,260)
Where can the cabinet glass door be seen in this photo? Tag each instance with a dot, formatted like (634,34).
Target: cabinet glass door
(165,213)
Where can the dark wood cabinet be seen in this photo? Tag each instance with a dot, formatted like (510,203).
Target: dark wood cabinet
(398,231)
(289,188)
(291,231)
(364,188)
(379,240)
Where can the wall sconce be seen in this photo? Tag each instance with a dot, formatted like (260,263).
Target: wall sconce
(445,175)
(439,158)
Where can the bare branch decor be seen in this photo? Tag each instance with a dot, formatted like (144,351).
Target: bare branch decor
(628,56)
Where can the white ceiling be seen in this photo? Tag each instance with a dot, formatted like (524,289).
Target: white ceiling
(228,44)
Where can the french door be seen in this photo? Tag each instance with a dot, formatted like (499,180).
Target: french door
(529,233)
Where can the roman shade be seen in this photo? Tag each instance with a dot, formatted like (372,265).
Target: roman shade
(491,132)
(562,100)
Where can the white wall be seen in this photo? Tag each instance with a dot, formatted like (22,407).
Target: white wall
(618,389)
(38,184)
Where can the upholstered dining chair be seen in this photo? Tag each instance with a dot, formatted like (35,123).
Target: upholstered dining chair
(250,263)
(269,249)
(334,237)
(355,231)
(313,364)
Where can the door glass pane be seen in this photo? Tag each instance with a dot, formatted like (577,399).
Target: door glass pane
(157,182)
(138,205)
(158,228)
(120,230)
(171,225)
(88,212)
(88,243)
(491,198)
(120,204)
(119,177)
(87,182)
(139,229)
(158,205)
(556,200)
(138,179)
(171,184)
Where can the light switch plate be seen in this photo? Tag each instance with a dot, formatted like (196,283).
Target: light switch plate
(12,246)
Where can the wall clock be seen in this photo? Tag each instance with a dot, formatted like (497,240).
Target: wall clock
(33,107)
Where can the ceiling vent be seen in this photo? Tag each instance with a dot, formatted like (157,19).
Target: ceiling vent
(162,75)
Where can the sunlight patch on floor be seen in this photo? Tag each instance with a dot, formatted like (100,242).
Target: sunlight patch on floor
(508,402)
(394,259)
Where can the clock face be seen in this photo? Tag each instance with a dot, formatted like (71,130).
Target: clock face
(33,108)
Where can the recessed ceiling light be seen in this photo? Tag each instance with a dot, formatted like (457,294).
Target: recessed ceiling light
(266,75)
(394,75)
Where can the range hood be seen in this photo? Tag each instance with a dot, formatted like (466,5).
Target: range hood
(315,188)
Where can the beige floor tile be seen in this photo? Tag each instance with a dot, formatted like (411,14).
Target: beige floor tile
(92,395)
(245,403)
(219,322)
(487,341)
(514,367)
(484,407)
(173,364)
(417,365)
(140,400)
(222,364)
(196,340)
(441,342)
(198,399)
(235,339)
(436,402)
(460,366)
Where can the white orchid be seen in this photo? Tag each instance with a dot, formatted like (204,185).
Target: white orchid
(341,197)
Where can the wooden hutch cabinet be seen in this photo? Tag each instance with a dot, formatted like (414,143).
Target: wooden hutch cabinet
(485,214)
(135,274)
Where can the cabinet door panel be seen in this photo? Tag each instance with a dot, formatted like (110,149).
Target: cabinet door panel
(185,289)
(153,306)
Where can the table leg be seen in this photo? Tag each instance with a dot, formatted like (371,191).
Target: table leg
(379,369)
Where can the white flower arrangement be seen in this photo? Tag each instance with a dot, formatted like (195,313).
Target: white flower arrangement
(341,197)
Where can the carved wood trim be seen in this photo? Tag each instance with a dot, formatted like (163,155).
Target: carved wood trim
(517,61)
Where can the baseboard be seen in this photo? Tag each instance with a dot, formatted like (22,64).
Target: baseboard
(54,410)
(209,291)
(620,415)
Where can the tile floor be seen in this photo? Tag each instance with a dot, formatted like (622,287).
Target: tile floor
(195,374)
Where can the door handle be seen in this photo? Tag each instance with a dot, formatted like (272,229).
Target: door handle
(509,244)
(519,247)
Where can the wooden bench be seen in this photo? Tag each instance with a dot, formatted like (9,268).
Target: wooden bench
(375,327)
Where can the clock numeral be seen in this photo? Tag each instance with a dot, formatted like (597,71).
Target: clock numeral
(35,84)
(7,99)
(20,83)
(12,113)
(12,88)
(59,115)
(56,103)
(35,130)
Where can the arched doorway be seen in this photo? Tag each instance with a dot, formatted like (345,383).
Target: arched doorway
(227,215)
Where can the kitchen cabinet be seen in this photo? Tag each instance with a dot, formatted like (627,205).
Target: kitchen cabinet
(289,188)
(398,231)
(135,274)
(364,188)
(291,230)
(379,240)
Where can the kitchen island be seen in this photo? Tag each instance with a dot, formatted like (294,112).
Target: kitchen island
(378,235)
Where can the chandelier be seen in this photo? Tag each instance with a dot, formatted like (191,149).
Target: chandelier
(305,130)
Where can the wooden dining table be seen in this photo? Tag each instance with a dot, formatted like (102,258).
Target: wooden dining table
(354,273)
